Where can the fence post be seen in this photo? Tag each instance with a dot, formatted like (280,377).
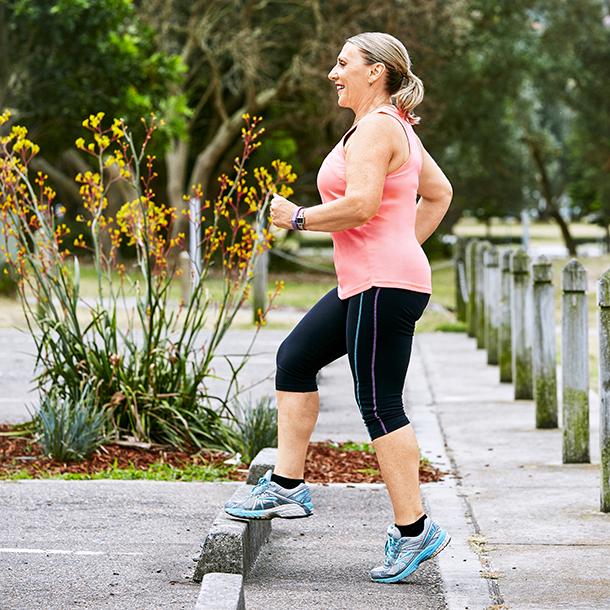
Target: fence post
(544,352)
(492,300)
(505,359)
(481,282)
(471,269)
(575,364)
(603,300)
(521,326)
(459,255)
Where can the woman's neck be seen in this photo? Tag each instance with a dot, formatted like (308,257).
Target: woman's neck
(369,106)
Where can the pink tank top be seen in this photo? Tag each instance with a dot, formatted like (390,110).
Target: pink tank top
(383,251)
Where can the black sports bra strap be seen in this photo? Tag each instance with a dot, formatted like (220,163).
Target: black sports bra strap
(348,134)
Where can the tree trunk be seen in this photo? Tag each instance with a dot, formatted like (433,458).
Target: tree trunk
(175,162)
(564,228)
(550,198)
(210,156)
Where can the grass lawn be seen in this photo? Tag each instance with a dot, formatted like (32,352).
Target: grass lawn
(538,231)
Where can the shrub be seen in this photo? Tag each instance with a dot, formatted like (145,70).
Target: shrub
(150,373)
(69,429)
(255,427)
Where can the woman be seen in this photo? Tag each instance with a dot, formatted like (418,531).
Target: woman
(368,185)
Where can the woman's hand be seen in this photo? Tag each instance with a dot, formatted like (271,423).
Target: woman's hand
(282,211)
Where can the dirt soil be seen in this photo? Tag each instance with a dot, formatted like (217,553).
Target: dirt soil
(326,462)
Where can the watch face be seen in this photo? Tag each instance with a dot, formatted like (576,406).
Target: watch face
(300,222)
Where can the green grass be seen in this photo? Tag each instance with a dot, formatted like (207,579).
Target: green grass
(158,471)
(539,231)
(369,471)
(353,446)
(451,327)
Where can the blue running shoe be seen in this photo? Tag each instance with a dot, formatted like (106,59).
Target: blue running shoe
(268,500)
(404,554)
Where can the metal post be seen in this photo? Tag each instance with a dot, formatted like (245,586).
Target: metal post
(186,278)
(575,364)
(521,337)
(544,351)
(195,239)
(259,285)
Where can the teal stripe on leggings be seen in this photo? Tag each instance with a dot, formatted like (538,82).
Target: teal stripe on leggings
(356,354)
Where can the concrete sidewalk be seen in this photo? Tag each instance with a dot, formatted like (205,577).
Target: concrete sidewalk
(103,544)
(544,543)
(526,529)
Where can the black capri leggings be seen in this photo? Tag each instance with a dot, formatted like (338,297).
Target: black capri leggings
(375,328)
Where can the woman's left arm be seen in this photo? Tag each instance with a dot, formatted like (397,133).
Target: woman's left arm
(367,156)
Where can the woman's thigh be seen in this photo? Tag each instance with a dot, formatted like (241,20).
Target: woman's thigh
(380,327)
(317,340)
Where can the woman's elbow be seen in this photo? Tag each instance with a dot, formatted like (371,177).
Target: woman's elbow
(448,195)
(365,209)
(443,194)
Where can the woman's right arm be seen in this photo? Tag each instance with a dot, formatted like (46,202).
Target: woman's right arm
(435,196)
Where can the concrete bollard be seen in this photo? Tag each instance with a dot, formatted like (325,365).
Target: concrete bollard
(265,459)
(492,302)
(505,359)
(480,292)
(544,354)
(521,326)
(471,272)
(459,259)
(603,301)
(575,364)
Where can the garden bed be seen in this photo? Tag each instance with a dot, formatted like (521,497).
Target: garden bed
(327,462)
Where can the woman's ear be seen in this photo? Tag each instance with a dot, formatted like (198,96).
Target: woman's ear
(375,72)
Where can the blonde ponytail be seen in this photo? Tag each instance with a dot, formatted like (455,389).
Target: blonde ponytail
(409,96)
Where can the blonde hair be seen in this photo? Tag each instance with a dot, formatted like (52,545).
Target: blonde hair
(406,88)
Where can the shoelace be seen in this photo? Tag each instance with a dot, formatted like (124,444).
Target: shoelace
(260,487)
(392,547)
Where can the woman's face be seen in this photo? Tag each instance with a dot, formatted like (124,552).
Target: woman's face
(350,77)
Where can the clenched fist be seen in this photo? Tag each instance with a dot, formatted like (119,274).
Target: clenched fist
(282,211)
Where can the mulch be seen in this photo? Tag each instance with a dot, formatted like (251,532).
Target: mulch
(326,461)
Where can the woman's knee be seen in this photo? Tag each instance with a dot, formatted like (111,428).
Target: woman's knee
(381,422)
(290,373)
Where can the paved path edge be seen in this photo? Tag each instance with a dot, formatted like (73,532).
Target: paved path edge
(459,565)
(221,591)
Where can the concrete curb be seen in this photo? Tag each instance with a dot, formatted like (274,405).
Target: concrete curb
(221,592)
(232,545)
(231,548)
(265,459)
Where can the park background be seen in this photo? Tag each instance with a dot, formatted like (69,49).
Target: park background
(515,113)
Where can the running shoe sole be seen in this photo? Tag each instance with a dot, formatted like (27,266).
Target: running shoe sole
(426,554)
(285,511)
